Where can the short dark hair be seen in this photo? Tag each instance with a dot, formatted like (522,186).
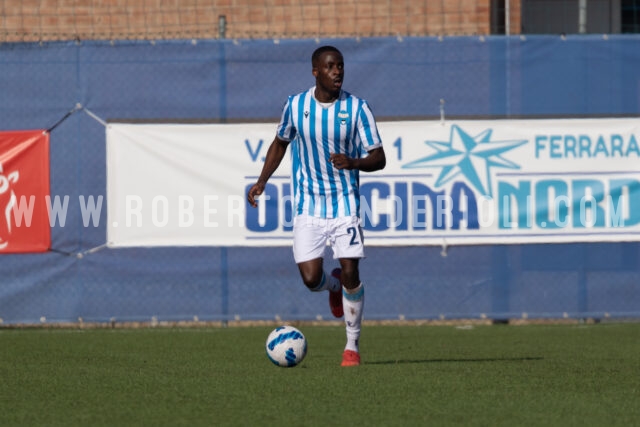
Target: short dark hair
(319,51)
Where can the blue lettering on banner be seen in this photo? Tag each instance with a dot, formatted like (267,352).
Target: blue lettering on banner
(579,203)
(253,153)
(408,206)
(273,195)
(546,204)
(583,146)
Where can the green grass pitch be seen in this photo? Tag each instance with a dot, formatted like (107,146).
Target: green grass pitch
(535,375)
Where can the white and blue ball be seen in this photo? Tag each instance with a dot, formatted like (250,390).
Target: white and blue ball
(286,346)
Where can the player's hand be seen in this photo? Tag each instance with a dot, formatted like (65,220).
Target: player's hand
(340,161)
(255,191)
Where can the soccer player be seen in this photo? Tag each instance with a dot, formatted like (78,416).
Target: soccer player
(333,136)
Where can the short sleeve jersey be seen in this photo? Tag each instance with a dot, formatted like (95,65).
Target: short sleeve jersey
(315,131)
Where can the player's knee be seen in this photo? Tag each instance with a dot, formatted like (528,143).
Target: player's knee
(350,278)
(311,279)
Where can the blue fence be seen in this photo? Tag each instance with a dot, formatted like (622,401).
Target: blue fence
(212,80)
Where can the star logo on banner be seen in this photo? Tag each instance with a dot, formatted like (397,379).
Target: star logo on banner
(469,156)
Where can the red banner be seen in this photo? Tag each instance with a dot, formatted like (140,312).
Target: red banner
(24,191)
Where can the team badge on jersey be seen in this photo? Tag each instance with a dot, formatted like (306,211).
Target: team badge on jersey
(343,116)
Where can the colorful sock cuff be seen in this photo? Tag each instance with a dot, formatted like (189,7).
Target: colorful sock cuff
(355,296)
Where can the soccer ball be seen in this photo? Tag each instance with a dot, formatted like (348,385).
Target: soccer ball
(286,346)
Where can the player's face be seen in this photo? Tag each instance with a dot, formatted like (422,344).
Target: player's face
(329,72)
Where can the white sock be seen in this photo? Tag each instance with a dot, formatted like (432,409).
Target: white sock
(328,283)
(353,304)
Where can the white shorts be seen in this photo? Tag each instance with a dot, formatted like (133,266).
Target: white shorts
(311,235)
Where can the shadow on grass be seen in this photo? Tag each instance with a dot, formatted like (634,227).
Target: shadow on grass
(490,359)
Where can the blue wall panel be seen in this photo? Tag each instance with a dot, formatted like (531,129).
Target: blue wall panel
(243,80)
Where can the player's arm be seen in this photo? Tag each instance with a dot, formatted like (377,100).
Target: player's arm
(275,154)
(376,160)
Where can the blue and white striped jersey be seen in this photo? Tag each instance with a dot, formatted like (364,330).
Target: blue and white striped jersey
(315,131)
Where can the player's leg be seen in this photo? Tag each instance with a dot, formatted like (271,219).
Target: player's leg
(348,247)
(350,278)
(311,273)
(353,306)
(309,243)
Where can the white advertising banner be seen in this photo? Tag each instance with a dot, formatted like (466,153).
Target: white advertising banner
(459,182)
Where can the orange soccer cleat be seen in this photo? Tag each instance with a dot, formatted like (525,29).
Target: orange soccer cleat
(350,358)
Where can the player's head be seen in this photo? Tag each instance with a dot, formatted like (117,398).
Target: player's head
(320,51)
(328,68)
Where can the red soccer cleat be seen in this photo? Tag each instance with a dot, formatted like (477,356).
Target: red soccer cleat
(350,358)
(335,298)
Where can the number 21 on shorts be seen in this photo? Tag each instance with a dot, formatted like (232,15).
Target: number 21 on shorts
(354,232)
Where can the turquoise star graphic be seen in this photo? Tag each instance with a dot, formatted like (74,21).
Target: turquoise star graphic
(473,157)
